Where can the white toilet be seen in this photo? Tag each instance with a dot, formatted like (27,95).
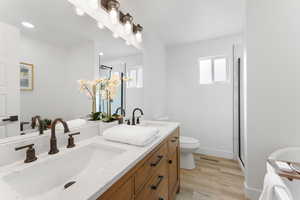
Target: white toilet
(188,146)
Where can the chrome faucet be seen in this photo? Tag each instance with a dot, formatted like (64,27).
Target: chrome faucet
(53,140)
(41,124)
(133,115)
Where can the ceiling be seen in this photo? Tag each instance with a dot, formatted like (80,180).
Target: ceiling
(184,21)
(57,23)
(172,21)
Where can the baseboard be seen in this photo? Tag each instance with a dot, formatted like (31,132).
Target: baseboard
(251,193)
(215,152)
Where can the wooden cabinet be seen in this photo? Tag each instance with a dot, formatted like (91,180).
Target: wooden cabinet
(122,190)
(156,177)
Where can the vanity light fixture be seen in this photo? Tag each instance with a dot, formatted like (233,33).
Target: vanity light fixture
(79,12)
(127,21)
(137,30)
(112,8)
(127,43)
(100,25)
(27,25)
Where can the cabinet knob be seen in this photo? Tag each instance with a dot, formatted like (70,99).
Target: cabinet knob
(170,161)
(160,198)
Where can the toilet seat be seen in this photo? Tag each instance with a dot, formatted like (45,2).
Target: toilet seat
(188,142)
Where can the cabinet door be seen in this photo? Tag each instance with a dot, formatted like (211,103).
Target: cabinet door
(9,80)
(124,192)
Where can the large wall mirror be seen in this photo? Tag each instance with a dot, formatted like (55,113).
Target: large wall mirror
(56,49)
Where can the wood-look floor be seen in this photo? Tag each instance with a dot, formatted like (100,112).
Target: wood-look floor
(213,179)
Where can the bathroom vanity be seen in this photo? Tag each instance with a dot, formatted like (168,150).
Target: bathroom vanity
(95,169)
(155,177)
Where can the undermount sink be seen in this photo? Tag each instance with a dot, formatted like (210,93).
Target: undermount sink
(290,154)
(153,124)
(52,174)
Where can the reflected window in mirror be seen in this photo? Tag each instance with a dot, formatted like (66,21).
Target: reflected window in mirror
(135,75)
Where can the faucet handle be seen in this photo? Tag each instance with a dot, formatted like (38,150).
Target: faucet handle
(30,153)
(71,142)
(127,121)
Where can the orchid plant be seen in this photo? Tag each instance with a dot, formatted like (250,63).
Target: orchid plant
(106,87)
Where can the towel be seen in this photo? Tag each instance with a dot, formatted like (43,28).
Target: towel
(134,135)
(73,124)
(273,182)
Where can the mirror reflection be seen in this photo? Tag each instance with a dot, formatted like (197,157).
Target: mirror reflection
(59,52)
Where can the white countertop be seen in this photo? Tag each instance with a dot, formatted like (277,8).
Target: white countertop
(93,185)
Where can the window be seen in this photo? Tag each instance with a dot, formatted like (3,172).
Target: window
(135,76)
(213,70)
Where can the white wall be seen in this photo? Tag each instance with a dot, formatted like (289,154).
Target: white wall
(56,71)
(48,95)
(205,111)
(80,65)
(154,59)
(273,46)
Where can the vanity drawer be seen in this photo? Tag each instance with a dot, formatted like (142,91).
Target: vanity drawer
(157,186)
(150,167)
(173,142)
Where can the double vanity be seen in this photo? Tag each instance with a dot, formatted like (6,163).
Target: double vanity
(99,169)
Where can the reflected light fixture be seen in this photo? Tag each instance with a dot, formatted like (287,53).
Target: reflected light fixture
(116,35)
(127,21)
(79,12)
(100,25)
(113,10)
(137,30)
(27,25)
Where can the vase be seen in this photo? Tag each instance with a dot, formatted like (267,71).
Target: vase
(94,105)
(109,109)
(94,99)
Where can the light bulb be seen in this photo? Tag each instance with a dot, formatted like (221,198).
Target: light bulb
(94,4)
(101,54)
(115,35)
(79,12)
(100,25)
(139,37)
(127,27)
(113,15)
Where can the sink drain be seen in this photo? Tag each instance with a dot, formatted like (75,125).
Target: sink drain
(69,184)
